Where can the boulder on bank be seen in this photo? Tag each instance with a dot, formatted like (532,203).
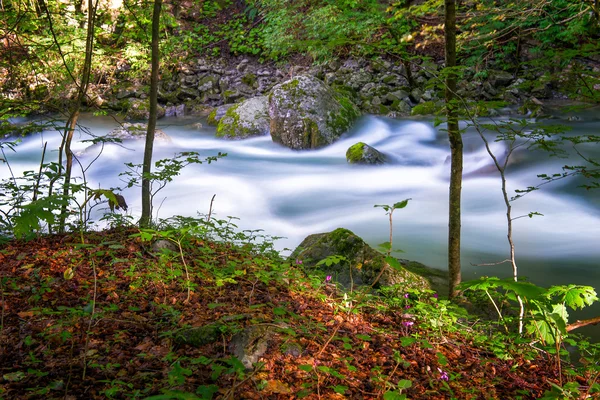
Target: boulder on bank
(246,119)
(358,263)
(362,153)
(306,114)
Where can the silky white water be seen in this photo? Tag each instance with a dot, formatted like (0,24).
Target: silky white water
(294,194)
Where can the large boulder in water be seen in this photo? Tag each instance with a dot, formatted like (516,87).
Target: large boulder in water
(307,114)
(245,119)
(358,263)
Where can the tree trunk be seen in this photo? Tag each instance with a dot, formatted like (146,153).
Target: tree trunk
(146,217)
(456,149)
(74,115)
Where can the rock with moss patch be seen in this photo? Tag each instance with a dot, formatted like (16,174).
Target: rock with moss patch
(251,344)
(246,119)
(306,114)
(139,109)
(362,153)
(358,263)
(217,113)
(201,335)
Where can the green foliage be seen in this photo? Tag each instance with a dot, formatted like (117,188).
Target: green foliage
(547,308)
(497,29)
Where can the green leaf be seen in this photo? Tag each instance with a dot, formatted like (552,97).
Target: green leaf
(305,367)
(394,263)
(174,395)
(341,389)
(207,392)
(394,396)
(404,384)
(401,204)
(406,341)
(363,337)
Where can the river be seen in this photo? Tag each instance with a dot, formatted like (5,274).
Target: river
(294,194)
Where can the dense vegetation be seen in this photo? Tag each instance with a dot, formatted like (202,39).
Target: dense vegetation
(107,315)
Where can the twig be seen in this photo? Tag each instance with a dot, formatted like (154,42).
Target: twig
(39,177)
(210,208)
(581,323)
(187,275)
(491,264)
(87,333)
(231,391)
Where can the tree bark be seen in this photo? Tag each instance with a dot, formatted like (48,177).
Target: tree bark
(74,115)
(146,217)
(456,150)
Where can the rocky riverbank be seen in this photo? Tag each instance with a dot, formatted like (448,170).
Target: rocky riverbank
(378,87)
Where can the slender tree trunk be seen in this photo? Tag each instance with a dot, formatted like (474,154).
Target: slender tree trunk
(146,217)
(74,115)
(456,149)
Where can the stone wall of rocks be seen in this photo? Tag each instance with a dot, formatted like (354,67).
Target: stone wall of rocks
(377,86)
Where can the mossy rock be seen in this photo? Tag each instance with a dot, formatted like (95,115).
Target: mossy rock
(252,343)
(201,335)
(246,119)
(306,114)
(362,153)
(358,263)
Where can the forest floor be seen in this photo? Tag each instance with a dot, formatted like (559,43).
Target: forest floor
(100,320)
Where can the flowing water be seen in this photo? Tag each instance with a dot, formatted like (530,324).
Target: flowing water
(294,194)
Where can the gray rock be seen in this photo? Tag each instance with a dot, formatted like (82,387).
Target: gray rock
(357,80)
(246,119)
(306,114)
(498,78)
(126,93)
(362,153)
(251,344)
(136,131)
(397,95)
(360,263)
(416,94)
(187,94)
(209,83)
(175,111)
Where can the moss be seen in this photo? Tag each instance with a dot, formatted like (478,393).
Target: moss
(292,84)
(200,336)
(426,108)
(232,129)
(311,137)
(211,119)
(355,153)
(249,79)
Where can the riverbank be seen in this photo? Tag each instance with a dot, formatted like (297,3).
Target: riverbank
(115,317)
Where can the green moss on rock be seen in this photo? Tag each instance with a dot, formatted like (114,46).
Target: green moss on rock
(211,118)
(426,108)
(359,264)
(362,153)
